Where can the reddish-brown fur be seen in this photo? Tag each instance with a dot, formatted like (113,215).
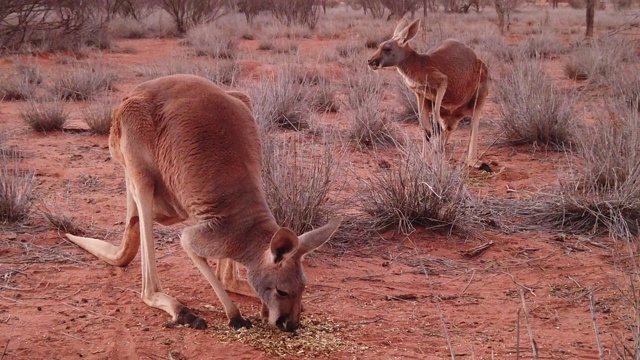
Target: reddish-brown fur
(192,151)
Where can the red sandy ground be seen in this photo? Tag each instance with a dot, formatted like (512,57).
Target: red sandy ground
(57,302)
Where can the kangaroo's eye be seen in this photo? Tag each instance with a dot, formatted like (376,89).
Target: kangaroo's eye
(281,293)
(386,50)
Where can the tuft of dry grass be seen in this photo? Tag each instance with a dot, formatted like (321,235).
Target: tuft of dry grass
(82,82)
(627,89)
(603,193)
(44,115)
(370,128)
(598,61)
(323,96)
(296,184)
(98,116)
(281,102)
(533,109)
(58,218)
(16,186)
(210,40)
(21,83)
(419,191)
(408,102)
(544,46)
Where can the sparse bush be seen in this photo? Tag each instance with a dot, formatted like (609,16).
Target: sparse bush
(281,102)
(15,189)
(296,184)
(419,191)
(532,108)
(98,116)
(603,195)
(58,218)
(545,45)
(187,13)
(348,50)
(598,63)
(83,82)
(627,89)
(208,40)
(225,72)
(21,83)
(300,12)
(44,115)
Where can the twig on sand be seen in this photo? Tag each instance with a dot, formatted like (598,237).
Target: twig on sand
(75,337)
(444,324)
(6,346)
(534,346)
(521,285)
(470,280)
(93,312)
(518,335)
(592,306)
(478,250)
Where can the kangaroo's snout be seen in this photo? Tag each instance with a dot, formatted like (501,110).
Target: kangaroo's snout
(285,324)
(374,63)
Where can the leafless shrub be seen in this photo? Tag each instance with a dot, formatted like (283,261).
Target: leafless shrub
(347,50)
(187,13)
(281,102)
(15,86)
(225,72)
(533,110)
(83,82)
(208,40)
(603,195)
(98,116)
(626,346)
(296,184)
(45,114)
(419,191)
(16,187)
(290,12)
(52,25)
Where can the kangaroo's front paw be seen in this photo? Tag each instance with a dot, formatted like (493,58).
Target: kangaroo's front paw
(188,318)
(239,322)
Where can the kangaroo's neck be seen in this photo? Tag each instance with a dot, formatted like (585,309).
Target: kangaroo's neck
(413,63)
(245,235)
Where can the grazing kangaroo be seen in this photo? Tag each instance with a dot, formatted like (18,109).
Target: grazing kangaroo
(192,151)
(449,79)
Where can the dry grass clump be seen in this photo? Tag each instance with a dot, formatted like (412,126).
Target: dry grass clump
(21,83)
(281,102)
(98,116)
(604,193)
(546,45)
(419,191)
(408,103)
(370,128)
(323,96)
(82,82)
(45,114)
(209,40)
(296,184)
(532,108)
(16,186)
(58,218)
(598,61)
(627,89)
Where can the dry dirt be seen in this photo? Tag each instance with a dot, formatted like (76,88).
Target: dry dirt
(417,296)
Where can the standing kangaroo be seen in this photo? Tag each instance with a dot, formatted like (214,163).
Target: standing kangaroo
(449,79)
(192,151)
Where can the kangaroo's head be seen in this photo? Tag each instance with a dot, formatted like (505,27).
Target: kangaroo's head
(279,280)
(393,51)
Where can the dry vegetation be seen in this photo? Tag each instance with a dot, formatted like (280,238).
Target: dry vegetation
(341,139)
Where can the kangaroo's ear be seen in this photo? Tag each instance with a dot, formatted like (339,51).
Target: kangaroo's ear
(409,32)
(401,25)
(313,239)
(242,97)
(283,244)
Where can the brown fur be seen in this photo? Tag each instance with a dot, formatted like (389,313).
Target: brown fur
(192,151)
(450,70)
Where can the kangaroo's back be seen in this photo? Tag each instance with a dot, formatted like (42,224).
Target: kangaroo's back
(202,142)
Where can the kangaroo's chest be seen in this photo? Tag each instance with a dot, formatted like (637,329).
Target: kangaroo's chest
(420,88)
